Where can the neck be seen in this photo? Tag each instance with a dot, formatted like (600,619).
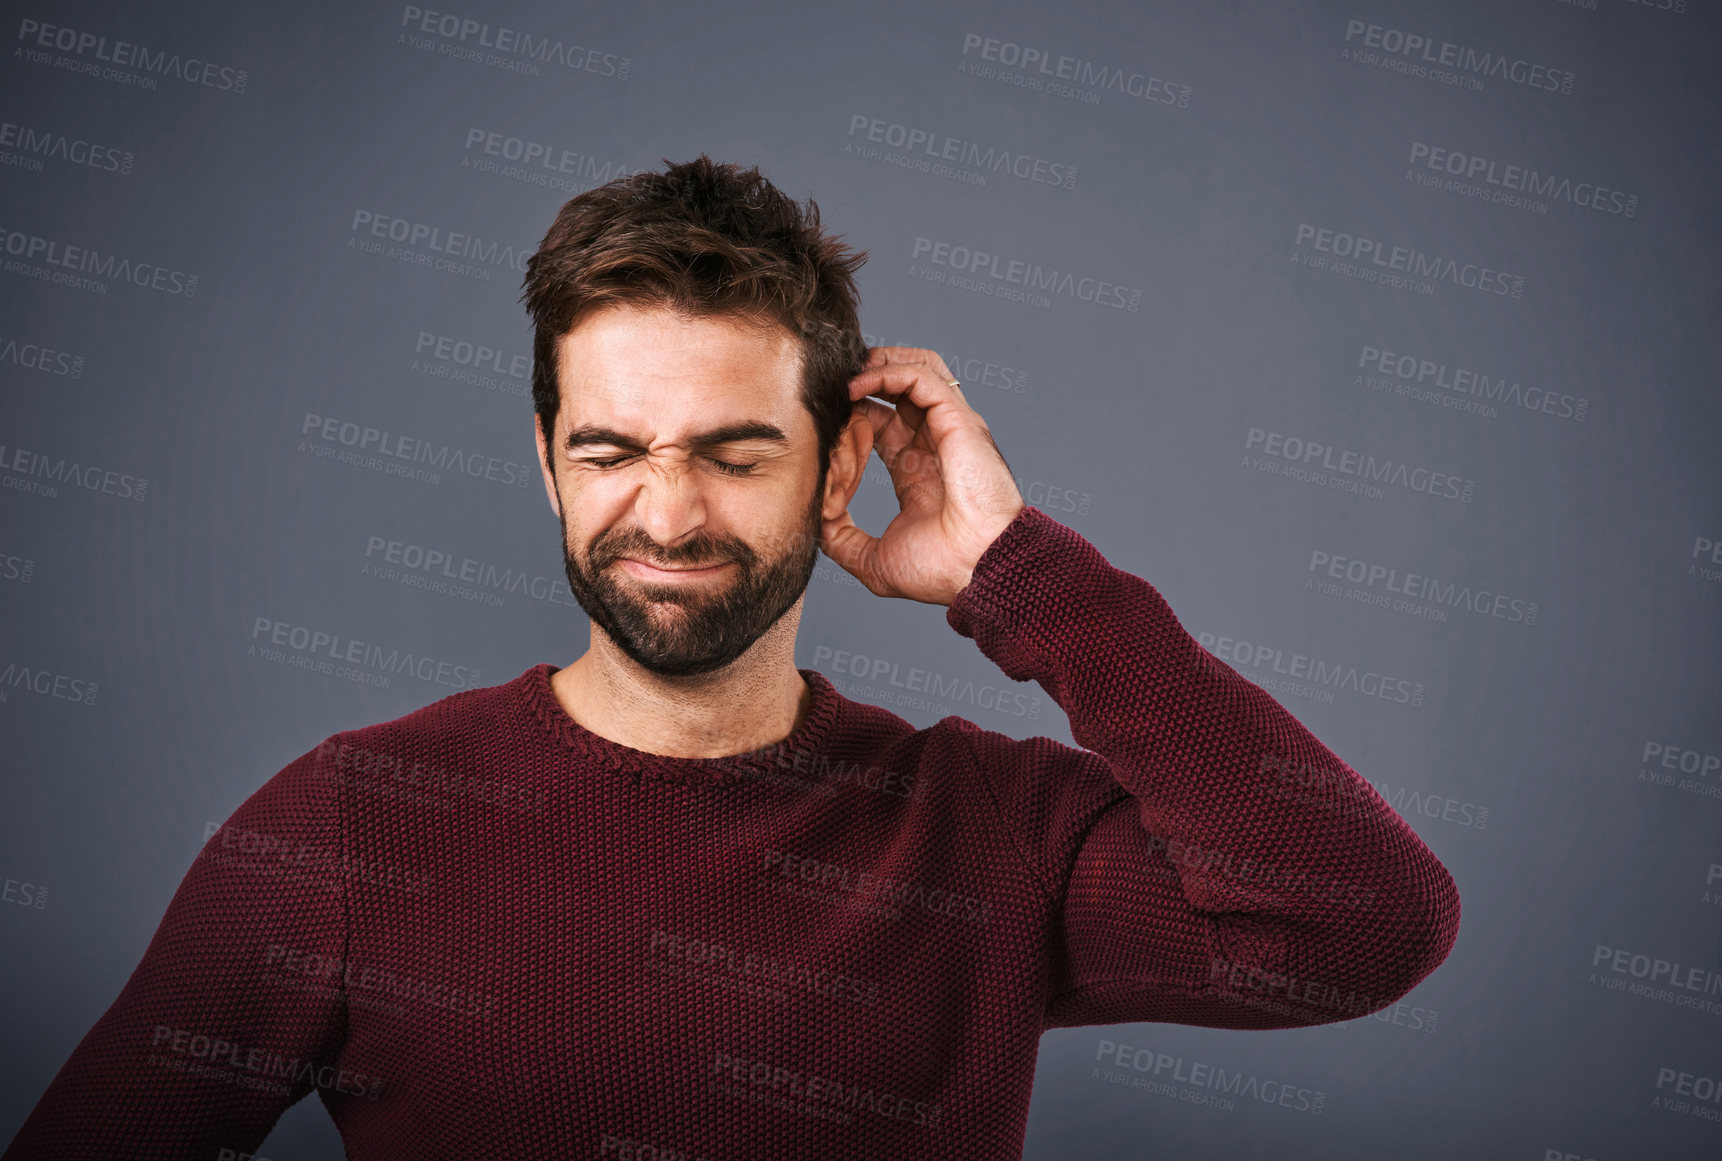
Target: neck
(756,700)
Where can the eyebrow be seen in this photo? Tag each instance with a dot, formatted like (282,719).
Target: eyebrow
(739,432)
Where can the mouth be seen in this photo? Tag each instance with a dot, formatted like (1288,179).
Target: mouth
(651,572)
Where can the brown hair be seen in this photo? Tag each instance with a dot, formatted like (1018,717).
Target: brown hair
(703,239)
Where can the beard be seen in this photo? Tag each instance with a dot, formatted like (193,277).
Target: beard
(681,630)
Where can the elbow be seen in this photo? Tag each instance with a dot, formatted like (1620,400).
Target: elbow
(1424,937)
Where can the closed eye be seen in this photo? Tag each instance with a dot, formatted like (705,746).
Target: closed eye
(722,465)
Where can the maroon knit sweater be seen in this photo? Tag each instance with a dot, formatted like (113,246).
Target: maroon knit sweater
(481,930)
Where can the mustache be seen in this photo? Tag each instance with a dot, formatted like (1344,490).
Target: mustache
(695,554)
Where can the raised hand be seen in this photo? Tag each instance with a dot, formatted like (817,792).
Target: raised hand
(954,488)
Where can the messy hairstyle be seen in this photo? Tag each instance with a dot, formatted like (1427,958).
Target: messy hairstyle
(704,239)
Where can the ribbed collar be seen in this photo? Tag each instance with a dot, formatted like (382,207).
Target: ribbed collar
(815,731)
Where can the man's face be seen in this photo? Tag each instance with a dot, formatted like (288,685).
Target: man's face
(687,481)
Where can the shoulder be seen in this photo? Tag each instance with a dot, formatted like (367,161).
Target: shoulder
(470,719)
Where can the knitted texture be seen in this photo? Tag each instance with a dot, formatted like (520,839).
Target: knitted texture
(481,930)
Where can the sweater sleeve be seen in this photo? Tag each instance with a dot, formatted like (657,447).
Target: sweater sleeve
(1212,861)
(210,1041)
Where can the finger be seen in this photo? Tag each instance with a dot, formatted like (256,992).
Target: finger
(878,414)
(912,415)
(851,547)
(909,356)
(890,432)
(897,437)
(926,401)
(880,356)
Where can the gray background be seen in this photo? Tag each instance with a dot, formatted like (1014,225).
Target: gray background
(1131,426)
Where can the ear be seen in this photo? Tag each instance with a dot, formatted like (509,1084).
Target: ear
(544,467)
(848,464)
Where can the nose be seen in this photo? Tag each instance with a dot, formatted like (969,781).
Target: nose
(669,505)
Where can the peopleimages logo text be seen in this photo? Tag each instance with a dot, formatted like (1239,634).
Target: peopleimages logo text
(442,457)
(1455,595)
(39,357)
(943,147)
(1463,58)
(320,648)
(124,54)
(438,240)
(23,462)
(1362,465)
(1459,380)
(1030,275)
(1044,63)
(1410,261)
(51,252)
(1473,169)
(1246,655)
(534,157)
(49,143)
(542,50)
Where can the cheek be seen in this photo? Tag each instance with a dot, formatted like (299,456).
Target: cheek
(576,533)
(599,501)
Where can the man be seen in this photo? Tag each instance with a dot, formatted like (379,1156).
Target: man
(683,899)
